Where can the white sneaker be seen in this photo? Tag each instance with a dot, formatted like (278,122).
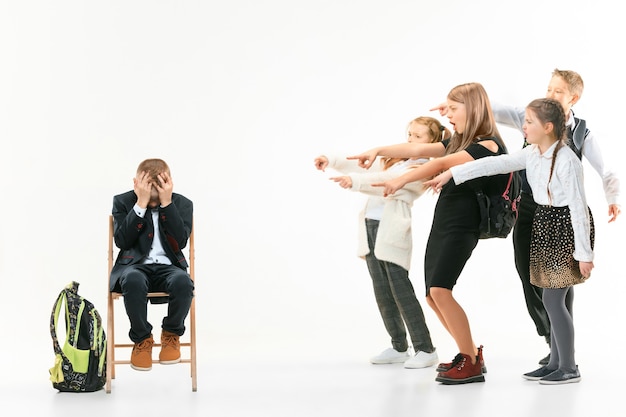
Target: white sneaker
(422,360)
(389,355)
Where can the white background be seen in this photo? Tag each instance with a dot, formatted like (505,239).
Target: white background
(239,97)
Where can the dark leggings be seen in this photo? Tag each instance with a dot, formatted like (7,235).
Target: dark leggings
(559,304)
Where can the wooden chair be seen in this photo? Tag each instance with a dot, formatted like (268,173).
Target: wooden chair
(112,345)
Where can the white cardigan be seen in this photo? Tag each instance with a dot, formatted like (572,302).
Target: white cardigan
(394,241)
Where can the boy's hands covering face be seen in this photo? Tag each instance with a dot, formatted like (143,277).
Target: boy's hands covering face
(164,188)
(143,188)
(153,192)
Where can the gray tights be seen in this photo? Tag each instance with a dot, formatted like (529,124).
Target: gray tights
(559,303)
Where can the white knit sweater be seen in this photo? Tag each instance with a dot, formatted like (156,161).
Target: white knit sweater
(394,241)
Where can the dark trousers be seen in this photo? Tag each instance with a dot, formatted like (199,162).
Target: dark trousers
(396,300)
(137,280)
(521,245)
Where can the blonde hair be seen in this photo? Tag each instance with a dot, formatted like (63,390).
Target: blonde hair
(436,131)
(573,80)
(480,121)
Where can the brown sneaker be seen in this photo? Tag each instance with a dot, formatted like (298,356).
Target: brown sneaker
(170,348)
(141,357)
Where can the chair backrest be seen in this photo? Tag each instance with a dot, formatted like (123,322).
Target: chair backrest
(190,248)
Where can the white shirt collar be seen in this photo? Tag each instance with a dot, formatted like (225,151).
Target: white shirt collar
(570,120)
(547,154)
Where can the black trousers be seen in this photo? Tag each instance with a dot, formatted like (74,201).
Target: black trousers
(138,280)
(521,245)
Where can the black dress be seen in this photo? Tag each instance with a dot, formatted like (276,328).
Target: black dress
(454,231)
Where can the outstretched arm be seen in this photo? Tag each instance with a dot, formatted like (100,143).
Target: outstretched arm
(437,183)
(442,108)
(401,150)
(427,170)
(362,182)
(509,116)
(321,162)
(610,179)
(338,163)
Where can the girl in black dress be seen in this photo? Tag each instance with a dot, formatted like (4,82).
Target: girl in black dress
(562,235)
(454,231)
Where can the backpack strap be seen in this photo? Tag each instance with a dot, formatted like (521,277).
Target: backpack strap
(54,320)
(56,372)
(71,290)
(505,194)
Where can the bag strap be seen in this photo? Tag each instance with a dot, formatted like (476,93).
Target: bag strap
(99,341)
(71,335)
(54,320)
(505,194)
(56,372)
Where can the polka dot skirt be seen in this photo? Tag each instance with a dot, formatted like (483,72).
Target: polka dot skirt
(552,264)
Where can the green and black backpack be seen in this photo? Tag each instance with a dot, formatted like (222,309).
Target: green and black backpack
(80,365)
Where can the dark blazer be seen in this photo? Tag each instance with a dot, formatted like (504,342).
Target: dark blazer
(134,234)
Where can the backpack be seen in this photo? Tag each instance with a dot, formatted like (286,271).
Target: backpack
(498,213)
(80,365)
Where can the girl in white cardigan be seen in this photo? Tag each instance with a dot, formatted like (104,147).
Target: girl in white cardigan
(562,237)
(385,242)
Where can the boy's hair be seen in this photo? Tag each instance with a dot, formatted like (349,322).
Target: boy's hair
(153,167)
(480,121)
(572,78)
(436,131)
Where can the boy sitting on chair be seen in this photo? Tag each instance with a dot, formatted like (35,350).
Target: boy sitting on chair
(152,225)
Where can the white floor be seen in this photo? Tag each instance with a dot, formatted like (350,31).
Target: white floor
(305,353)
(261,385)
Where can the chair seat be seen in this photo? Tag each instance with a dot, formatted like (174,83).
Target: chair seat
(117,295)
(154,297)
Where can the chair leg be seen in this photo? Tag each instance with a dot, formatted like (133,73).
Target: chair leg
(110,344)
(192,337)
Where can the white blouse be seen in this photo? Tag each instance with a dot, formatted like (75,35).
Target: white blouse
(514,117)
(566,185)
